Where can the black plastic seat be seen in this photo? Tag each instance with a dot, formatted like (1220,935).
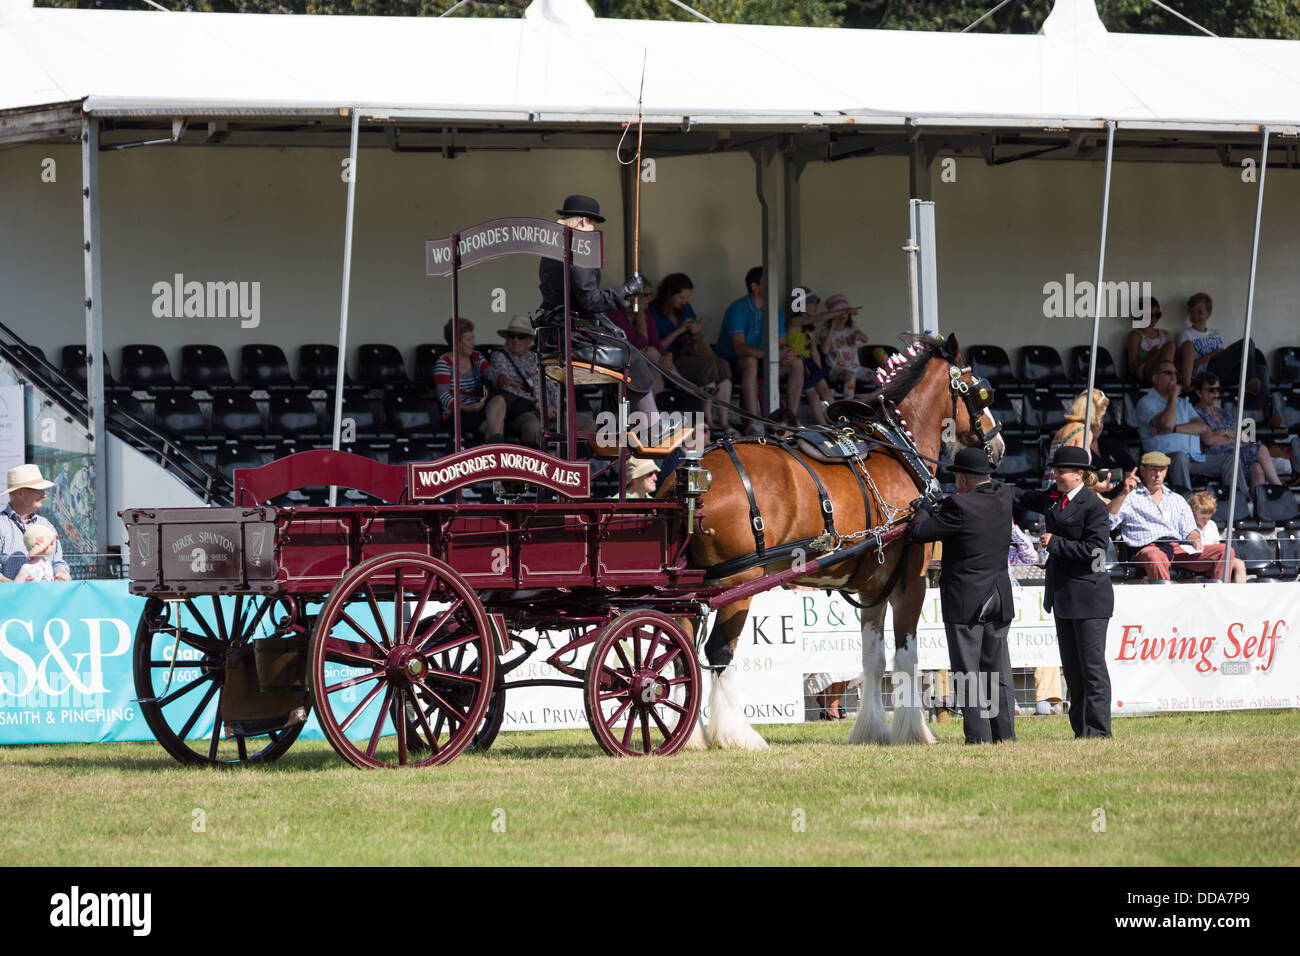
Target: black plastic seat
(264,367)
(126,417)
(1276,503)
(992,362)
(1288,551)
(426,361)
(238,454)
(412,413)
(1041,367)
(146,367)
(1107,375)
(1259,554)
(234,413)
(318,366)
(179,415)
(1006,414)
(205,367)
(406,450)
(381,366)
(72,364)
(1021,464)
(356,409)
(293,415)
(1044,412)
(1286,366)
(1117,569)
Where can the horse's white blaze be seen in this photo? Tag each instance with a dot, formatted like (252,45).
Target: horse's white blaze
(870,726)
(909,720)
(728,728)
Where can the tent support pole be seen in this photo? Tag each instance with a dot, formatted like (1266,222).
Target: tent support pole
(341,371)
(769,194)
(1247,356)
(1097,289)
(94,325)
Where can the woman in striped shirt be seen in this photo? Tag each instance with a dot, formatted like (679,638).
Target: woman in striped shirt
(481,414)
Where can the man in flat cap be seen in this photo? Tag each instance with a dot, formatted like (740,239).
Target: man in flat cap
(975,593)
(1158,523)
(26,490)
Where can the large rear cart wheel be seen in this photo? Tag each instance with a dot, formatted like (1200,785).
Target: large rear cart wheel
(402,663)
(642,688)
(492,718)
(180,658)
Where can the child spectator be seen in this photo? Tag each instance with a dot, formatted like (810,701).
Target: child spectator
(840,346)
(39,543)
(1203,507)
(1197,344)
(804,308)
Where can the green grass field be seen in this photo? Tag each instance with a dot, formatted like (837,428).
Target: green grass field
(1205,789)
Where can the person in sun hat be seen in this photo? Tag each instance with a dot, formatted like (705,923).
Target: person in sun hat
(642,477)
(39,542)
(1076,530)
(26,489)
(975,592)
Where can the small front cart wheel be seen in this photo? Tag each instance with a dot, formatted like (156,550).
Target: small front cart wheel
(181,656)
(642,688)
(402,663)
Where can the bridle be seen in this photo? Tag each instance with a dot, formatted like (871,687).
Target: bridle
(977,396)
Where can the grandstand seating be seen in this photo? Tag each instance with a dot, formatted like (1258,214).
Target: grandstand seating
(234,413)
(1286,367)
(991,362)
(205,367)
(1041,367)
(1106,378)
(381,366)
(426,357)
(1277,504)
(264,367)
(145,367)
(318,366)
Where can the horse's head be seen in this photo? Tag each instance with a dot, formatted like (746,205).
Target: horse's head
(971,397)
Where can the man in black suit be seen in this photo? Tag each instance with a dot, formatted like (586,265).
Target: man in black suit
(1078,592)
(975,592)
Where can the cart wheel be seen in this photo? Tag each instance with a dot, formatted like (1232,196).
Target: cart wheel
(182,705)
(402,663)
(496,714)
(643,675)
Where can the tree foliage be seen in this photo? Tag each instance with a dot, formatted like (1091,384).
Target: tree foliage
(1272,19)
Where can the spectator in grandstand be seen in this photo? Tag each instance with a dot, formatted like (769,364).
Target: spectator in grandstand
(680,334)
(1203,506)
(805,307)
(1168,423)
(1197,343)
(642,332)
(1078,591)
(40,544)
(1071,434)
(1148,346)
(522,382)
(743,343)
(840,346)
(1158,524)
(1220,437)
(642,478)
(481,415)
(27,489)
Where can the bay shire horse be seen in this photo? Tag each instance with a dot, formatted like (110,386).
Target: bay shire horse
(764,497)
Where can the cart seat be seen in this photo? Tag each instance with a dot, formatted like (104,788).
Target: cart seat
(670,444)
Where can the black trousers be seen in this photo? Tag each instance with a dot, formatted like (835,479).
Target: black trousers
(1083,659)
(980,678)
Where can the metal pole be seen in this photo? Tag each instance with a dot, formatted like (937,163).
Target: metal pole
(1097,298)
(1247,355)
(94,325)
(570,412)
(453,357)
(347,282)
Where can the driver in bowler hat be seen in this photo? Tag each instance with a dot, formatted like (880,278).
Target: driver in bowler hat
(975,593)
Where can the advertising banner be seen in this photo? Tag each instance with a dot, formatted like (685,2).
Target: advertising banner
(66,656)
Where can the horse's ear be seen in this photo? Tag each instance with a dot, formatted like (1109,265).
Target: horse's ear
(952,346)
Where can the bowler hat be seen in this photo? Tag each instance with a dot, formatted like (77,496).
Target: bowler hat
(584,206)
(972,461)
(27,476)
(1071,456)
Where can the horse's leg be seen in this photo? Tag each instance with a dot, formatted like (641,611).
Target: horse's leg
(909,725)
(870,726)
(696,740)
(727,726)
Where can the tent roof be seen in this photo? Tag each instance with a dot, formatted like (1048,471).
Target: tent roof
(1074,73)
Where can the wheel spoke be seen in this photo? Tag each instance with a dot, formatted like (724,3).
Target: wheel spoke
(645,732)
(420,605)
(627,732)
(257,618)
(379,724)
(668,658)
(669,702)
(374,610)
(650,651)
(203,705)
(216,730)
(399,608)
(436,626)
(360,707)
(182,691)
(338,651)
(451,712)
(622,657)
(220,615)
(456,642)
(243,748)
(663,729)
(354,680)
(625,693)
(202,621)
(211,647)
(613,718)
(636,647)
(422,717)
(452,677)
(399,721)
(361,632)
(237,619)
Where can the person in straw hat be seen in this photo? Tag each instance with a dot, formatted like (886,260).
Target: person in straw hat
(522,385)
(26,488)
(40,542)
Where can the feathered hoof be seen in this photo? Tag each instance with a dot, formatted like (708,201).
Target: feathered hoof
(734,737)
(697,740)
(868,731)
(909,727)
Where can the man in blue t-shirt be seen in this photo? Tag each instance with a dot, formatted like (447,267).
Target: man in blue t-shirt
(1167,423)
(743,343)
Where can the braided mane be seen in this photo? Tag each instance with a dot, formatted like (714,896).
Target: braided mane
(904,369)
